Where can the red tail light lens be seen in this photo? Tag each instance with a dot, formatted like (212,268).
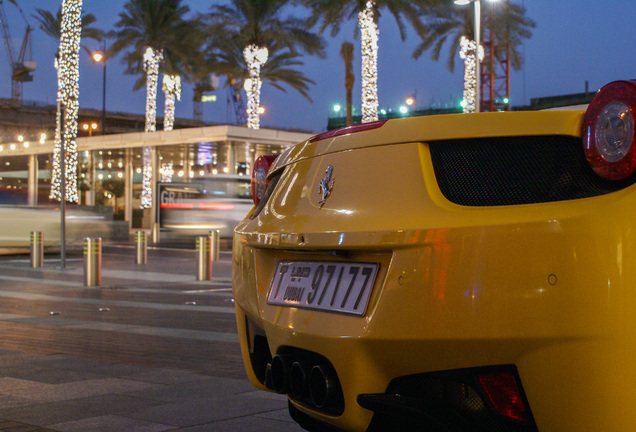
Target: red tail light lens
(504,395)
(609,131)
(259,176)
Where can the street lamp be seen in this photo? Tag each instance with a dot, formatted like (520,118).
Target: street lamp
(477,44)
(89,128)
(100,57)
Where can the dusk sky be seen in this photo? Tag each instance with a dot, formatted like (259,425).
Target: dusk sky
(574,41)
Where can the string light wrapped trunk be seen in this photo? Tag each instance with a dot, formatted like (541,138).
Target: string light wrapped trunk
(68,94)
(255,57)
(369,34)
(152,59)
(467,53)
(172,91)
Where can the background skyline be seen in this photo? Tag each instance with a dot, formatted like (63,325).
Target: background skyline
(573,42)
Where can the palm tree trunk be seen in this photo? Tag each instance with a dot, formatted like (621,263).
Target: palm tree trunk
(255,57)
(172,91)
(369,43)
(467,53)
(152,59)
(68,93)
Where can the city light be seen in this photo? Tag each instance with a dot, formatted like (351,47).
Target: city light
(410,101)
(337,108)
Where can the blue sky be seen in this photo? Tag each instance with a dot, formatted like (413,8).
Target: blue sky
(575,41)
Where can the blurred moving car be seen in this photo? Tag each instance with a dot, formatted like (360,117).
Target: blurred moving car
(468,272)
(18,221)
(216,202)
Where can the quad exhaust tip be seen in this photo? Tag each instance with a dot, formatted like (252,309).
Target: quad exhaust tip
(310,381)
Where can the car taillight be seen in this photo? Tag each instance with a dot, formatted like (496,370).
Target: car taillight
(504,395)
(608,134)
(259,176)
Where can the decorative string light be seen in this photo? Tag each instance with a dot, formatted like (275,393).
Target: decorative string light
(467,53)
(68,95)
(167,171)
(146,184)
(255,57)
(172,90)
(369,34)
(152,59)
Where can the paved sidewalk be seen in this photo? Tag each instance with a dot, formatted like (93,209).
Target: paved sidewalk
(151,349)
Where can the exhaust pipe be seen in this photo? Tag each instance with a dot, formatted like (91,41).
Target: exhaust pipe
(298,379)
(280,372)
(323,385)
(268,377)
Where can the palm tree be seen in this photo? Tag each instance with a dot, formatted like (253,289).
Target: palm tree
(154,31)
(346,52)
(51,25)
(447,23)
(331,13)
(258,28)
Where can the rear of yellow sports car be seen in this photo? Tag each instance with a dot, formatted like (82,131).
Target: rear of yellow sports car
(446,273)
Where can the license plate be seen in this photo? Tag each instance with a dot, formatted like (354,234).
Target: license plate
(324,285)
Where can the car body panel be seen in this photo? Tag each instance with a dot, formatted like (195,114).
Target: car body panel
(546,287)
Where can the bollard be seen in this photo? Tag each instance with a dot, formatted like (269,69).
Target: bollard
(215,238)
(37,249)
(155,232)
(141,246)
(204,258)
(92,261)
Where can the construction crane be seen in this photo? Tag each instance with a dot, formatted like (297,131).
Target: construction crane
(21,69)
(239,106)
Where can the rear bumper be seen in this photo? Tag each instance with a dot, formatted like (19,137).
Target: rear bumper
(552,296)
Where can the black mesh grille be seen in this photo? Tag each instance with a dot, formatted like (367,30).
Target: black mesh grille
(516,170)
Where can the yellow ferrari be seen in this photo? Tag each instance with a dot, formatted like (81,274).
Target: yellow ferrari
(465,272)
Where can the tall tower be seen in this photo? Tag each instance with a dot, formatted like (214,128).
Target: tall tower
(495,68)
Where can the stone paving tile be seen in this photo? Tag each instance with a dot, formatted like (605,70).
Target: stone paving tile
(206,388)
(49,376)
(167,376)
(197,412)
(47,414)
(42,392)
(11,426)
(247,424)
(113,370)
(111,423)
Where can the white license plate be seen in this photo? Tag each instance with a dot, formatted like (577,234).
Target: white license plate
(324,285)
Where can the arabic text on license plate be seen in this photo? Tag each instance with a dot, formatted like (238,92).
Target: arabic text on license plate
(324,285)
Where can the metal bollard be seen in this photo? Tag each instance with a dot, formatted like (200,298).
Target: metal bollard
(215,238)
(204,258)
(141,246)
(155,232)
(92,261)
(37,249)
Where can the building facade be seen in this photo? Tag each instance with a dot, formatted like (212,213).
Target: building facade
(110,166)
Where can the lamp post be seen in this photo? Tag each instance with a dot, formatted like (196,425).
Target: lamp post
(477,44)
(101,58)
